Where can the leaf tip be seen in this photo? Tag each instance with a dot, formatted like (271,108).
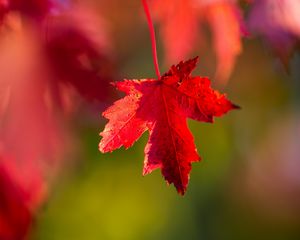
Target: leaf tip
(234,106)
(181,190)
(101,148)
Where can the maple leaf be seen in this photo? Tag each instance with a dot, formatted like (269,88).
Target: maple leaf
(53,52)
(34,99)
(161,107)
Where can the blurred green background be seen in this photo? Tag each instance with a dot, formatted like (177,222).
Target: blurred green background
(247,185)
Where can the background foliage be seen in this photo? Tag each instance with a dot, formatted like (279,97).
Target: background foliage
(246,187)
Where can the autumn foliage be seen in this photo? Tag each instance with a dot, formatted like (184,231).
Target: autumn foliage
(162,107)
(57,55)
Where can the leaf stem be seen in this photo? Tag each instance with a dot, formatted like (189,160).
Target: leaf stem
(152,35)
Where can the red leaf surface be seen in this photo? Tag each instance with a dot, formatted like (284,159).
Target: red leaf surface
(79,53)
(161,107)
(31,8)
(37,8)
(22,191)
(44,56)
(35,98)
(15,216)
(29,130)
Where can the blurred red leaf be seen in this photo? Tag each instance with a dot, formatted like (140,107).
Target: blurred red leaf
(31,8)
(28,133)
(34,8)
(41,60)
(15,216)
(22,191)
(69,49)
(180,29)
(161,107)
(28,130)
(278,21)
(79,52)
(225,21)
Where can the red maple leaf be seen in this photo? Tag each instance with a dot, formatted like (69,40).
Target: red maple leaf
(161,107)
